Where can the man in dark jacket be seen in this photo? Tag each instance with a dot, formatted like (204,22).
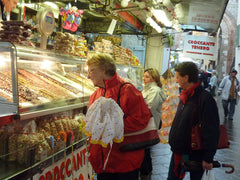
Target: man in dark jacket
(196,106)
(203,78)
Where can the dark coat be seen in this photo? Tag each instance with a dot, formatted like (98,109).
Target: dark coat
(203,78)
(200,106)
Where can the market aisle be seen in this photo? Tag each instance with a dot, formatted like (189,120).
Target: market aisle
(228,156)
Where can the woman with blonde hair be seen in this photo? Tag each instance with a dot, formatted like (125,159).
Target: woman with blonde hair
(153,94)
(120,165)
(154,97)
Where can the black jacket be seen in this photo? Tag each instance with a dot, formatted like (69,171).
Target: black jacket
(201,106)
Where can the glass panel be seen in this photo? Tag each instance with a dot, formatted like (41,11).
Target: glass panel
(47,80)
(133,74)
(8,100)
(5,78)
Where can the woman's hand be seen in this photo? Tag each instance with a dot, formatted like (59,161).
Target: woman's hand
(206,165)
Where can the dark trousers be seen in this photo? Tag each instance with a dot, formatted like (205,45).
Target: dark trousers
(229,111)
(212,91)
(146,167)
(196,175)
(132,175)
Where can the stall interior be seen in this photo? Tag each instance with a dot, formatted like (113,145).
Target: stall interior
(47,90)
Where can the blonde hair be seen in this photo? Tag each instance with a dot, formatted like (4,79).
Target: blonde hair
(155,75)
(104,62)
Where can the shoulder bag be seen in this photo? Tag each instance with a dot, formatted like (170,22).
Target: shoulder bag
(140,139)
(196,137)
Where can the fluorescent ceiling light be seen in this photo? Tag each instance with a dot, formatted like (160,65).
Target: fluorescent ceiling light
(161,16)
(154,24)
(112,26)
(124,3)
(51,4)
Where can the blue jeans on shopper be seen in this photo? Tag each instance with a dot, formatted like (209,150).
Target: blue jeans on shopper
(229,111)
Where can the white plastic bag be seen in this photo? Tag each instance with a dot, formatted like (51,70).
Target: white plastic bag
(208,175)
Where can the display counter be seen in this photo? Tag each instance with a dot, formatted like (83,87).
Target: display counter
(43,98)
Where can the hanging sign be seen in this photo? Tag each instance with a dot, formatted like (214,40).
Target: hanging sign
(75,166)
(200,47)
(206,16)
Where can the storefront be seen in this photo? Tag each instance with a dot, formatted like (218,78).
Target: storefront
(44,89)
(44,94)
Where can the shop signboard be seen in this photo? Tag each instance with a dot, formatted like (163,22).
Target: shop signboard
(200,47)
(75,166)
(206,16)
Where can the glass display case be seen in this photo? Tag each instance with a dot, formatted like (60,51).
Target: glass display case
(133,74)
(47,82)
(43,96)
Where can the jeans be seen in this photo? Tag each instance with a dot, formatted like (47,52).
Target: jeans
(229,112)
(196,175)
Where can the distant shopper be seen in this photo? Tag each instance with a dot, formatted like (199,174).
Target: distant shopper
(213,83)
(203,78)
(229,88)
(120,165)
(154,97)
(196,106)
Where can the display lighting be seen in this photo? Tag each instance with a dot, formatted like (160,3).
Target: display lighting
(168,4)
(4,61)
(125,69)
(154,24)
(46,64)
(112,26)
(178,9)
(124,3)
(161,16)
(51,4)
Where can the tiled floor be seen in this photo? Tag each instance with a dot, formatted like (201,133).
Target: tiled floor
(227,156)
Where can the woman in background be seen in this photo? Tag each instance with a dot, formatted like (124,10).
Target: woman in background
(154,97)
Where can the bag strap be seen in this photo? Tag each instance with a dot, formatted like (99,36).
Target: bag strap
(119,91)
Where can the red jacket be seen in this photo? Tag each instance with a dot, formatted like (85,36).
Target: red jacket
(137,117)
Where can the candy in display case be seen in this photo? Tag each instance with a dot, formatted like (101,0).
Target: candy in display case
(43,99)
(40,82)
